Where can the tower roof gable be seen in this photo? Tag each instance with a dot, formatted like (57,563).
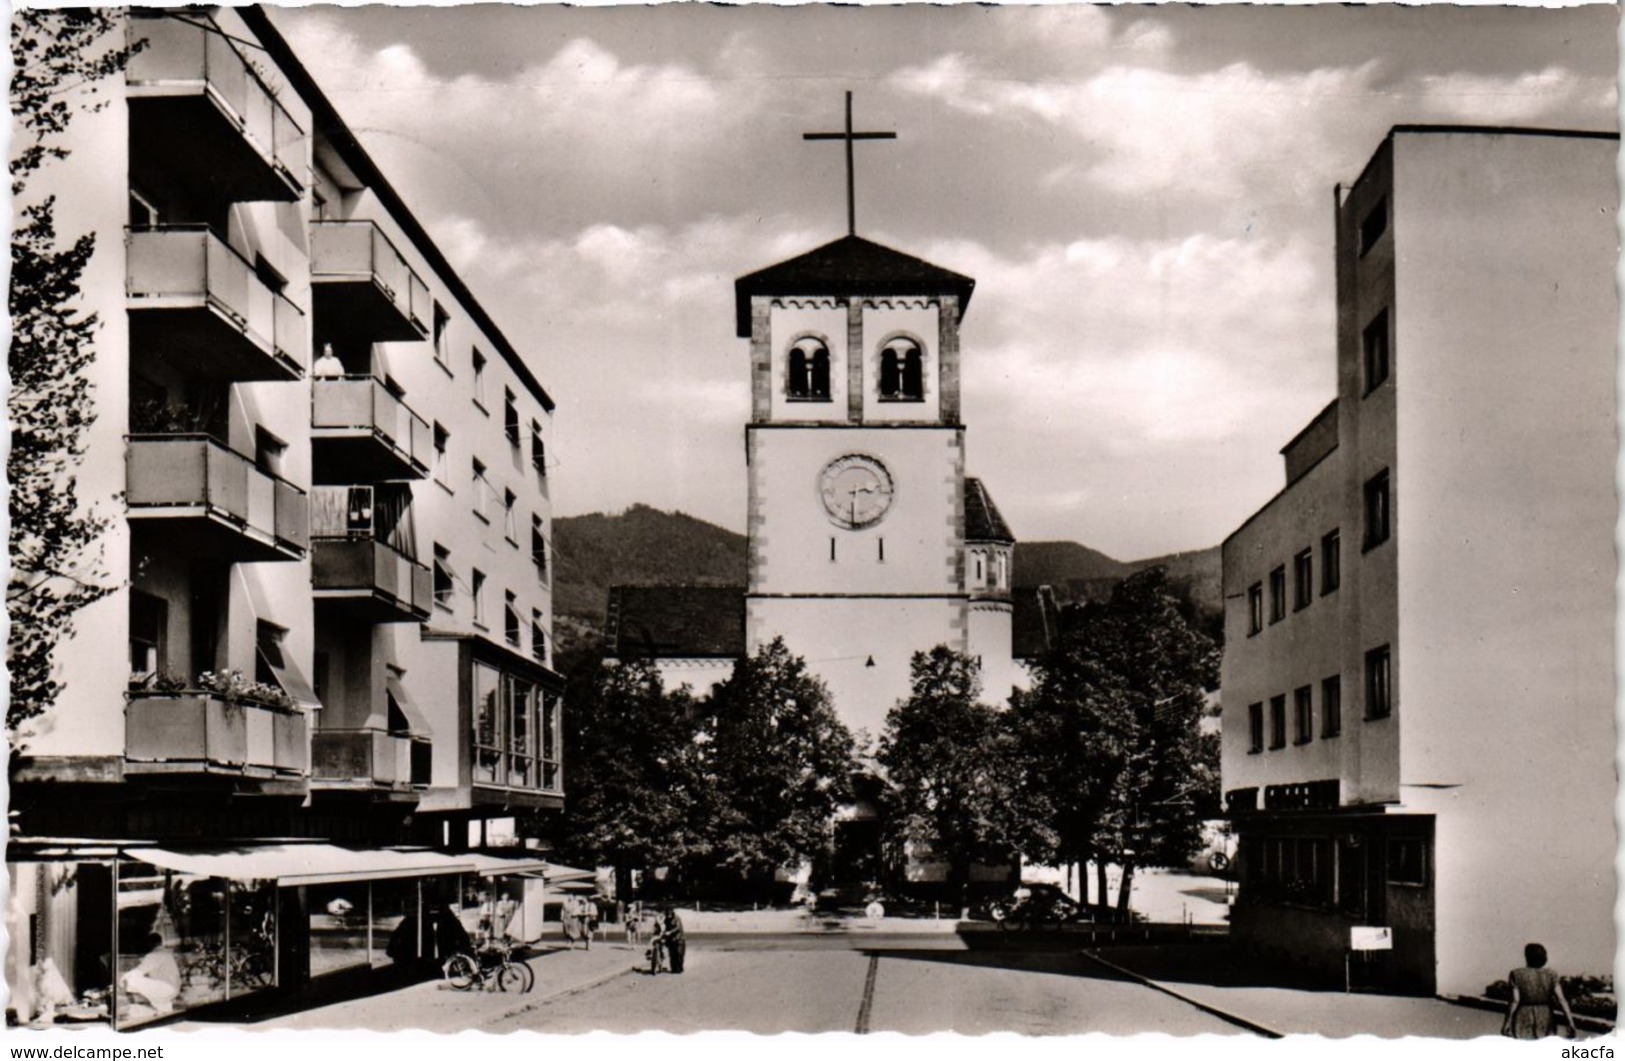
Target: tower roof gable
(850,265)
(983,523)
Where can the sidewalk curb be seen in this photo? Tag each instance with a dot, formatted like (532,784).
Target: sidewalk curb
(1224,1015)
(566,992)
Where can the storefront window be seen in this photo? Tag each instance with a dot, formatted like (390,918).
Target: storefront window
(58,963)
(395,924)
(171,943)
(338,926)
(251,936)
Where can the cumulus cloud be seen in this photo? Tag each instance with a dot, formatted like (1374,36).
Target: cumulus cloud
(1145,210)
(1218,134)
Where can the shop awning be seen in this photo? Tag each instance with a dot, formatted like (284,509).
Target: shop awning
(500,866)
(489,865)
(297,864)
(557,874)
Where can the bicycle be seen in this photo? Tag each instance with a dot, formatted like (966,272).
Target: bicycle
(491,967)
(656,956)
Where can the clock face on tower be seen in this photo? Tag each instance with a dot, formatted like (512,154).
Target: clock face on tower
(856,490)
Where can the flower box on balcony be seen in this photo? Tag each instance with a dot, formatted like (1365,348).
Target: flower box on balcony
(196,731)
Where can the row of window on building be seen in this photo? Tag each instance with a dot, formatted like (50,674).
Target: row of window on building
(1378,527)
(1330,873)
(1378,704)
(902,371)
(446,582)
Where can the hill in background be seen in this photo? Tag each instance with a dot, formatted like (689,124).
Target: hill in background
(645,546)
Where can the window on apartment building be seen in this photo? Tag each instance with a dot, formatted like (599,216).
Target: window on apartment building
(510,618)
(1378,509)
(1331,707)
(149,626)
(479,379)
(1255,608)
(1255,727)
(441,321)
(538,452)
(273,665)
(509,529)
(1331,561)
(268,451)
(444,580)
(1374,224)
(1278,594)
(1303,715)
(538,636)
(1278,721)
(1375,345)
(488,752)
(538,547)
(809,371)
(477,591)
(902,371)
(1379,688)
(1407,860)
(482,490)
(1303,579)
(510,418)
(442,445)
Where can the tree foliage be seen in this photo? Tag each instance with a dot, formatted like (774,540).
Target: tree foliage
(635,796)
(947,759)
(779,760)
(1114,766)
(59,56)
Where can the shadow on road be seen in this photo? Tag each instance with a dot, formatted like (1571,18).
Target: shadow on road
(1069,962)
(1216,964)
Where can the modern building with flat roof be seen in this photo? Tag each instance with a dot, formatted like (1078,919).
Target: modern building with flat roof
(326,664)
(1418,679)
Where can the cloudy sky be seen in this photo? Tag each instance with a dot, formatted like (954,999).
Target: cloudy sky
(1144,196)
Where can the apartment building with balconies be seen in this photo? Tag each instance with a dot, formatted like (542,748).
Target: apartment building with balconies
(325,467)
(1418,677)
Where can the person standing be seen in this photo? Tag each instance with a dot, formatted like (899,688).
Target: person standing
(1534,988)
(672,936)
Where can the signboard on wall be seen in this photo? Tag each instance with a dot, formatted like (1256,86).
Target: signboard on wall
(1371,937)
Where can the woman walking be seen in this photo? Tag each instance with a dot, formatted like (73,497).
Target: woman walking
(1534,988)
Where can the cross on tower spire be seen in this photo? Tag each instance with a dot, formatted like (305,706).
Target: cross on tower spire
(849,136)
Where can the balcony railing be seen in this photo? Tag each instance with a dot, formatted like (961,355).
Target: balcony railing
(370,759)
(362,287)
(361,432)
(196,733)
(214,500)
(383,585)
(195,97)
(200,303)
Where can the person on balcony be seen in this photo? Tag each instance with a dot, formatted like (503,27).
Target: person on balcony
(328,366)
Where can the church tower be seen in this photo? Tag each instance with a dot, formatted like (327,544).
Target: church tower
(856,463)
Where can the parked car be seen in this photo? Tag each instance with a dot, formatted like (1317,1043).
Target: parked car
(1037,906)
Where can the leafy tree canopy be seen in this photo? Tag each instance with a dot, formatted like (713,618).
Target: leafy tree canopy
(947,758)
(635,796)
(780,761)
(1114,766)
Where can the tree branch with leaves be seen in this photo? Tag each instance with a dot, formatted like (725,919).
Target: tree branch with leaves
(60,59)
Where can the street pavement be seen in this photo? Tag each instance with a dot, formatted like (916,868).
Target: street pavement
(435,1006)
(778,971)
(913,987)
(1206,975)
